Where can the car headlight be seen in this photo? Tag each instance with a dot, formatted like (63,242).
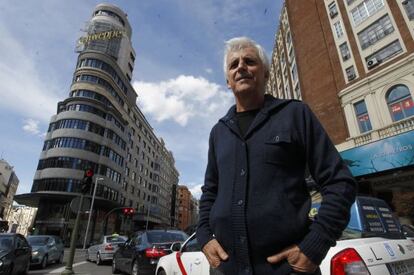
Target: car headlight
(35,253)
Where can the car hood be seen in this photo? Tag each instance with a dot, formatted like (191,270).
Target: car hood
(38,248)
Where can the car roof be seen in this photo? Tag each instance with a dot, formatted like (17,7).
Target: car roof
(45,236)
(163,230)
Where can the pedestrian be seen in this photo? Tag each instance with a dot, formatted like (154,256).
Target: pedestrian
(255,203)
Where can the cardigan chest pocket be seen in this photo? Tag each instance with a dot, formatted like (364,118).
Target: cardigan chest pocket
(279,149)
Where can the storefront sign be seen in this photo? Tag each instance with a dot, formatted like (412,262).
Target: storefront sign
(386,154)
(101,36)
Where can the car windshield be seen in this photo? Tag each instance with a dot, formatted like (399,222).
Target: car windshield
(166,236)
(370,217)
(117,239)
(33,240)
(6,242)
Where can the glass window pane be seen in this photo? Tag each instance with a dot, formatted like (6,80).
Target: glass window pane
(397,92)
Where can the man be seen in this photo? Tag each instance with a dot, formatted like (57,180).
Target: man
(255,203)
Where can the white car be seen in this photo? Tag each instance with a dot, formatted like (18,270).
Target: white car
(188,260)
(104,250)
(372,244)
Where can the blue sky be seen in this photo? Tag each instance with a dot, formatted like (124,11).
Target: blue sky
(178,71)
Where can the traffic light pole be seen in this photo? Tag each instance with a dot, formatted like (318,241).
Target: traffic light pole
(69,269)
(90,212)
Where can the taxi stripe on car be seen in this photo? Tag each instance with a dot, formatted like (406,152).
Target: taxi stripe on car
(180,263)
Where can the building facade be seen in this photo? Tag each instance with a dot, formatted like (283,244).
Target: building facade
(99,126)
(21,219)
(8,187)
(187,208)
(351,61)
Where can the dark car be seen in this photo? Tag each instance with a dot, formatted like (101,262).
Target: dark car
(140,253)
(15,253)
(46,249)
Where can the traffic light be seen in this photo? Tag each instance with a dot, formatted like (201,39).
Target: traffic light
(128,211)
(87,181)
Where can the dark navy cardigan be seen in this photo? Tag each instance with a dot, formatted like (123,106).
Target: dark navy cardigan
(255,201)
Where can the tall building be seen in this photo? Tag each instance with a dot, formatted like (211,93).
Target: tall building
(99,126)
(8,187)
(187,208)
(351,61)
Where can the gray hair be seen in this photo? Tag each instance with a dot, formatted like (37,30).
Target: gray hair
(239,43)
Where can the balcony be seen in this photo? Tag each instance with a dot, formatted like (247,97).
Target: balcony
(396,128)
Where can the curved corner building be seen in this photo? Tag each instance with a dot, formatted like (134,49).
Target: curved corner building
(99,126)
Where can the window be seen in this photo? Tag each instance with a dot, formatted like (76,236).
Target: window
(338,29)
(350,73)
(375,32)
(333,10)
(362,116)
(288,38)
(386,53)
(365,10)
(294,72)
(400,102)
(297,92)
(409,8)
(344,51)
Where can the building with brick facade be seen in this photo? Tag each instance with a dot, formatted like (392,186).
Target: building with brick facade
(187,208)
(100,126)
(351,61)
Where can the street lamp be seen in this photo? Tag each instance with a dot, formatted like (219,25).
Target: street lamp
(90,211)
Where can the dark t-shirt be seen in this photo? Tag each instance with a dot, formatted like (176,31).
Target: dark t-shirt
(245,119)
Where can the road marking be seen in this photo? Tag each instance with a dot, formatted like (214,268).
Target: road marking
(60,269)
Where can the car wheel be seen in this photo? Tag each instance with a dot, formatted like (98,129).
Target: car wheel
(60,261)
(114,269)
(135,268)
(98,259)
(43,264)
(161,272)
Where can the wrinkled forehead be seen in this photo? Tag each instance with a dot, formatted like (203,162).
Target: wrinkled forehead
(242,51)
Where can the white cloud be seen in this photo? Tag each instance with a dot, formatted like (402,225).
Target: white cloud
(196,191)
(209,71)
(31,126)
(182,99)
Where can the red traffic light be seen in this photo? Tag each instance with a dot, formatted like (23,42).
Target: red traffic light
(128,211)
(89,173)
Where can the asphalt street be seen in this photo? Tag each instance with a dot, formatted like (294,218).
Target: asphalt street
(80,266)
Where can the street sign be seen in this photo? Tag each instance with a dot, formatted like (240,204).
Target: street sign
(74,204)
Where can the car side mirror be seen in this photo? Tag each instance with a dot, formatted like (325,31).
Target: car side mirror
(175,247)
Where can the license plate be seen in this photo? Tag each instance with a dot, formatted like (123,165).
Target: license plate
(401,268)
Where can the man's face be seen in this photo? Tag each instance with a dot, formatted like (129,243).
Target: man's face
(245,72)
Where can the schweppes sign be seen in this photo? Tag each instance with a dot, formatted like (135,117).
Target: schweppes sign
(101,36)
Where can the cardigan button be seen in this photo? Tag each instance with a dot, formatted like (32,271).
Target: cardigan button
(276,138)
(240,202)
(242,172)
